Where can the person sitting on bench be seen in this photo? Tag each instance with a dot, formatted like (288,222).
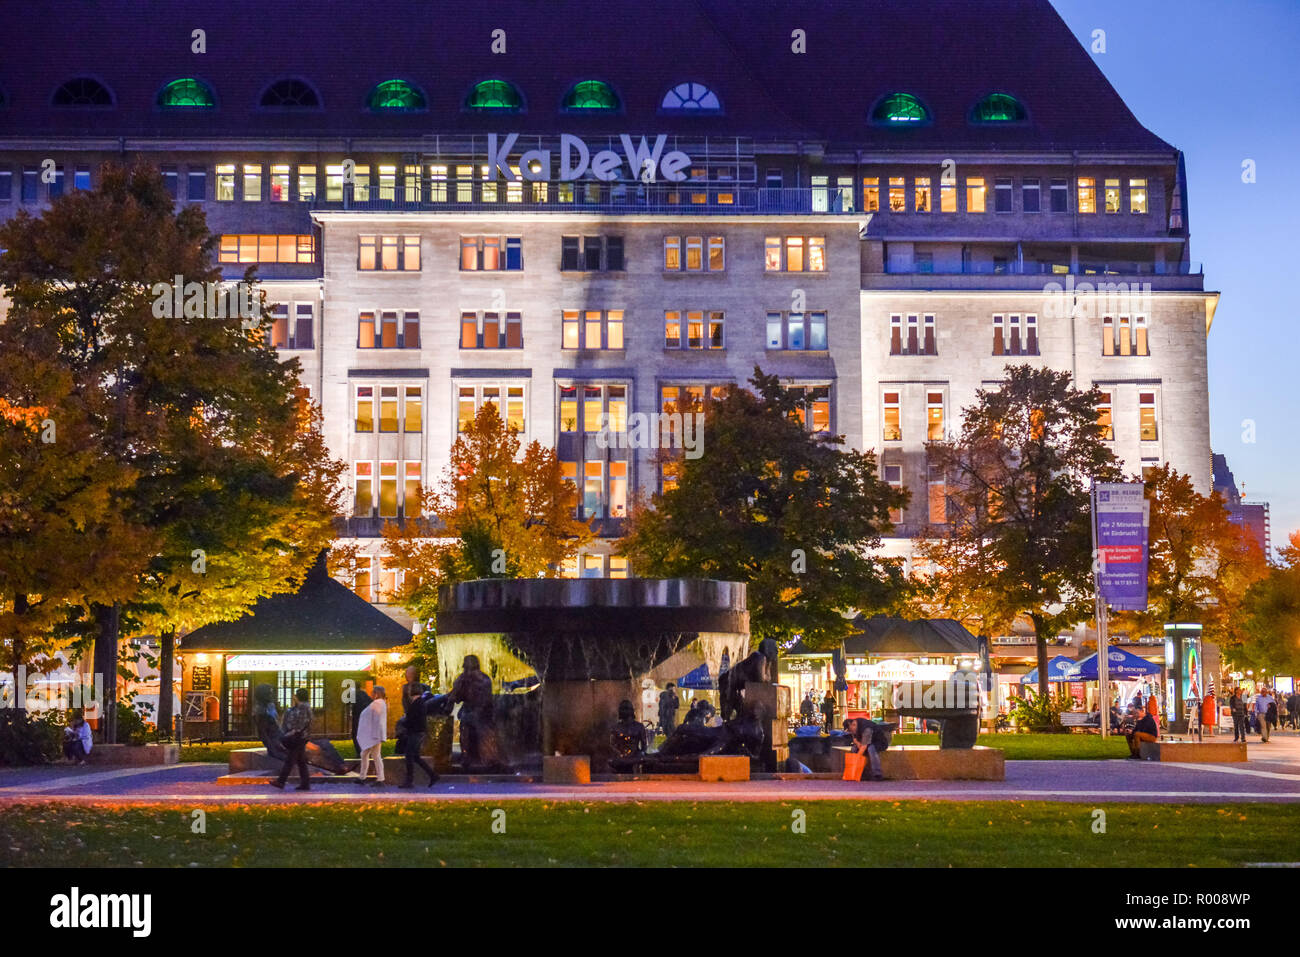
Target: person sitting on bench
(1145,729)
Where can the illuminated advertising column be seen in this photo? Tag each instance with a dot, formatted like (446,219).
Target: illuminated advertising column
(1186,677)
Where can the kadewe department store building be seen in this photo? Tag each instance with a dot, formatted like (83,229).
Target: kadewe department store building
(317,638)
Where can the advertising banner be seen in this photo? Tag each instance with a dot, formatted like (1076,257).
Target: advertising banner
(1121,519)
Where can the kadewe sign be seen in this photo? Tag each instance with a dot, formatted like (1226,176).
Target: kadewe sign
(642,161)
(1121,519)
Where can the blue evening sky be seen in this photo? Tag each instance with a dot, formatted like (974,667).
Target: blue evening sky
(1220,80)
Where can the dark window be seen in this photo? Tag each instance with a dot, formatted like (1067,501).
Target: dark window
(83,91)
(81,178)
(569,252)
(170,181)
(6,184)
(614,253)
(1030,196)
(514,253)
(591,248)
(31,181)
(303,326)
(1002,195)
(56,184)
(1060,196)
(411,330)
(196,185)
(290,94)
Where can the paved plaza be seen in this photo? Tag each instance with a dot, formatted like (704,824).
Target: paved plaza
(1272,774)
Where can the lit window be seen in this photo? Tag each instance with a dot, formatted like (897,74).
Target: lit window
(1140,345)
(388,490)
(938,497)
(899,109)
(413,412)
(1147,430)
(252,182)
(396,96)
(1137,196)
(1105,417)
(1087,194)
(934,416)
(871,194)
(1125,336)
(897,194)
(921,194)
(1108,336)
(491,253)
(948,194)
(1112,195)
(388,253)
(975,194)
(388,408)
(893,430)
(998,108)
(364,497)
(225,182)
(279,183)
(187,94)
(411,492)
(894,477)
(591,95)
(495,95)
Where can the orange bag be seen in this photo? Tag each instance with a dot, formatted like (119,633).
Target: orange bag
(854,765)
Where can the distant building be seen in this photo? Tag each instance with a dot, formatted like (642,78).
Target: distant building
(1253,516)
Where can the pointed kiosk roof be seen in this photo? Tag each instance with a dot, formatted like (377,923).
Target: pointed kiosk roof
(321,616)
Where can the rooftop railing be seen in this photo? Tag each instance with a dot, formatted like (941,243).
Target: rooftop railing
(1118,268)
(705,199)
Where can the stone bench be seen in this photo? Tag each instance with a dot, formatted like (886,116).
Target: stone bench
(930,763)
(1194,752)
(724,767)
(566,769)
(134,755)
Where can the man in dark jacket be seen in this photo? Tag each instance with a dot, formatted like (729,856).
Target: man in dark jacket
(473,691)
(1293,708)
(1144,730)
(871,737)
(668,705)
(1237,707)
(414,727)
(297,721)
(828,712)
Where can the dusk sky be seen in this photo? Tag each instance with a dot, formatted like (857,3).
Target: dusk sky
(1221,82)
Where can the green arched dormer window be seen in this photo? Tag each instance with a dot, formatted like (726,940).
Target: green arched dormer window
(898,109)
(495,95)
(187,94)
(591,95)
(998,108)
(396,95)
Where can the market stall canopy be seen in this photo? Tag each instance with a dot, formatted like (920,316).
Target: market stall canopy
(1123,664)
(1055,671)
(697,680)
(897,637)
(322,616)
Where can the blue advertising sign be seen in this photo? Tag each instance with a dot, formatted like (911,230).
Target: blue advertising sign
(1121,520)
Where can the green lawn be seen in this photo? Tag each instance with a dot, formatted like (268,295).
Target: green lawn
(541,833)
(1041,747)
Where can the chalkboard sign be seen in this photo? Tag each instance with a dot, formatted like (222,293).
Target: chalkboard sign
(201,677)
(194,706)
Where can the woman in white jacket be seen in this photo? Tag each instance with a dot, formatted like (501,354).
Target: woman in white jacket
(372,731)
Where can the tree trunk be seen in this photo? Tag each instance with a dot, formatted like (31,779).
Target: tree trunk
(20,688)
(106,667)
(1040,640)
(166,669)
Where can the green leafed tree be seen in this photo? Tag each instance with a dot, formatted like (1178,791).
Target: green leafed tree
(178,385)
(1018,540)
(791,513)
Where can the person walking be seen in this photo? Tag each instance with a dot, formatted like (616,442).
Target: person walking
(668,705)
(1262,702)
(807,709)
(1237,707)
(415,725)
(297,721)
(372,732)
(828,712)
(1293,708)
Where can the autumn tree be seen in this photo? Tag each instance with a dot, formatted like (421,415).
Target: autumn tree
(63,539)
(176,385)
(788,511)
(1018,541)
(1268,637)
(1200,564)
(501,510)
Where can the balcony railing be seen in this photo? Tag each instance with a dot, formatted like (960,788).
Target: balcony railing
(705,199)
(1118,268)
